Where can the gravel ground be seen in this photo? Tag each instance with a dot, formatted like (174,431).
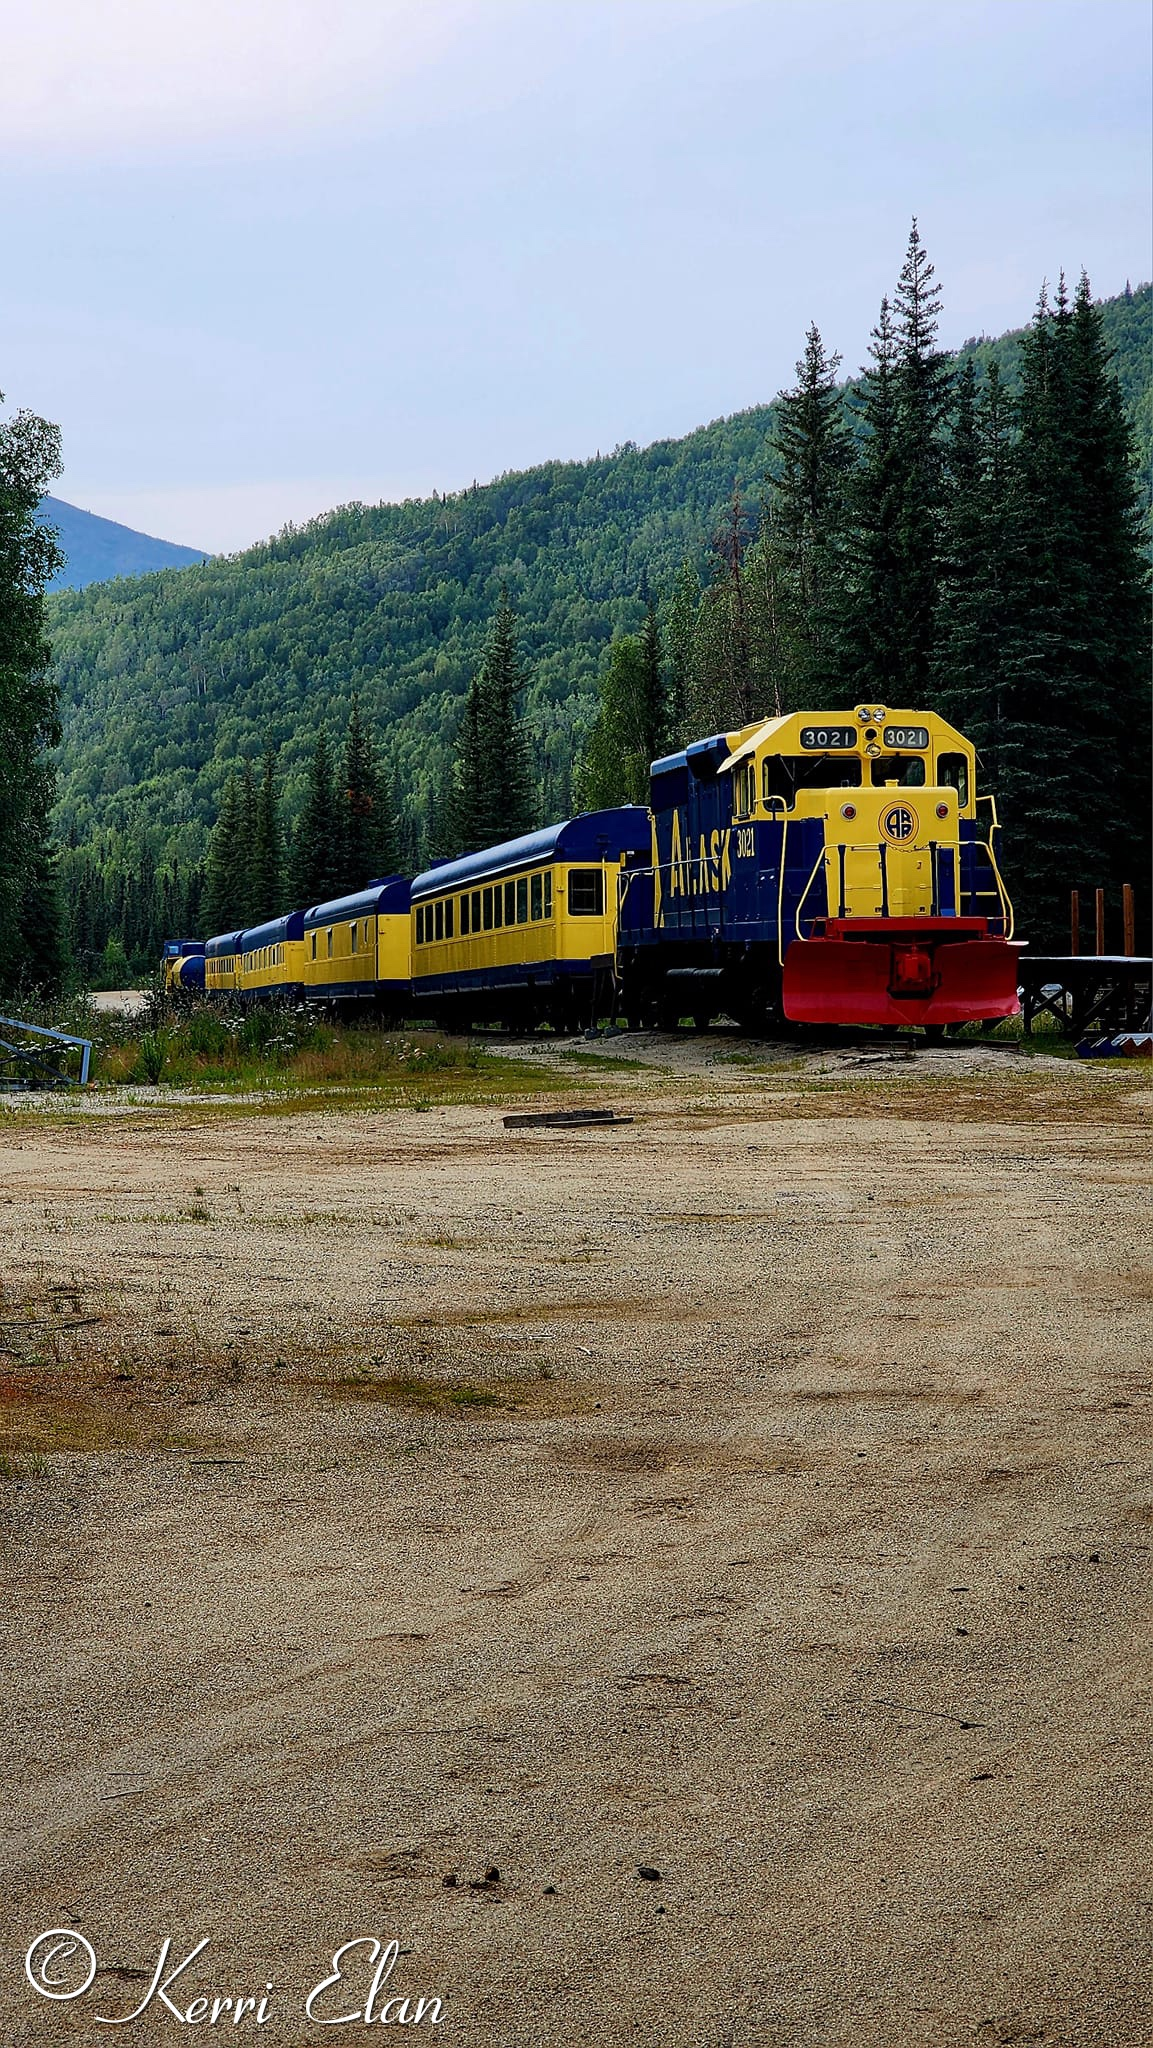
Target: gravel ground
(755,1495)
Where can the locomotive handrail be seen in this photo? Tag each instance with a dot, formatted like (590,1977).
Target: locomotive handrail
(1007,912)
(821,857)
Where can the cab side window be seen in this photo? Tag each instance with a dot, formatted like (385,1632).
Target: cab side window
(953,773)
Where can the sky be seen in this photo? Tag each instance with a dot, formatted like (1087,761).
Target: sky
(263,257)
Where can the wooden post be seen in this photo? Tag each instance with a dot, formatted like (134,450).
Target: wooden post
(1075,922)
(1127,918)
(1100,920)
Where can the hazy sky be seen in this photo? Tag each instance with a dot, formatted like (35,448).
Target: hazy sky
(262,256)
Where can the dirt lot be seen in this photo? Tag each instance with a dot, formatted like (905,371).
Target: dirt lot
(754,1494)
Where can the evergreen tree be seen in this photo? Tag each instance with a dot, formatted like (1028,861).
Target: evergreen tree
(889,603)
(871,630)
(367,829)
(618,753)
(267,845)
(312,874)
(29,725)
(248,900)
(654,721)
(802,529)
(923,401)
(974,616)
(1117,715)
(492,794)
(729,694)
(1072,737)
(681,639)
(226,867)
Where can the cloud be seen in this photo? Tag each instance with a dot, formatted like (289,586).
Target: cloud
(106,75)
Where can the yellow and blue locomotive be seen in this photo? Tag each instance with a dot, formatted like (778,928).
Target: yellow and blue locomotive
(833,868)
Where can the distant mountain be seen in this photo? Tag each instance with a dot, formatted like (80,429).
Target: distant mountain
(98,549)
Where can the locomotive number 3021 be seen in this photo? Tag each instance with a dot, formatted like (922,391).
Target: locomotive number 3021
(745,838)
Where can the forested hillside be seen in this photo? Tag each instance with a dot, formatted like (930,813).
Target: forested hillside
(169,681)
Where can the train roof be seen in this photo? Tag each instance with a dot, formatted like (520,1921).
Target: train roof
(385,897)
(596,836)
(224,942)
(274,932)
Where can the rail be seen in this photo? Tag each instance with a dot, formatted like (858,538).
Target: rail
(35,1059)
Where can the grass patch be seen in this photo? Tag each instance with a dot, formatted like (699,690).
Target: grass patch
(403,1391)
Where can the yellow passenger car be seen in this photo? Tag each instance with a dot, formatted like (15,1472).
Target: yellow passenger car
(526,930)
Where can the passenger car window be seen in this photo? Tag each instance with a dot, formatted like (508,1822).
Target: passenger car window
(537,894)
(548,894)
(510,902)
(476,910)
(488,910)
(522,900)
(449,916)
(586,892)
(438,919)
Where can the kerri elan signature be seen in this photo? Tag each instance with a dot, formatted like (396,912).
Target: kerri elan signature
(62,1964)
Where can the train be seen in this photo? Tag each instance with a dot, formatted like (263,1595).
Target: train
(832,868)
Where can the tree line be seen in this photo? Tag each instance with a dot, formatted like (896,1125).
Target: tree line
(926,538)
(936,532)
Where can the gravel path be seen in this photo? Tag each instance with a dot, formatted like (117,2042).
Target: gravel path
(754,1494)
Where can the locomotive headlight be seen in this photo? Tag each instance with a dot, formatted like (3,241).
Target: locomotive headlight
(863,713)
(871,747)
(879,716)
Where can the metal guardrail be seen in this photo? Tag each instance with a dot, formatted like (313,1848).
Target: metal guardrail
(35,1060)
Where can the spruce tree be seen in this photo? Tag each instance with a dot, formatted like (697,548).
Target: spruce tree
(654,725)
(923,401)
(871,628)
(802,527)
(312,872)
(367,834)
(29,724)
(248,902)
(492,791)
(730,693)
(974,615)
(267,845)
(618,752)
(1072,741)
(226,865)
(681,640)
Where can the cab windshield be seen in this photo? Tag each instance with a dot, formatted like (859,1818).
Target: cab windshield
(782,775)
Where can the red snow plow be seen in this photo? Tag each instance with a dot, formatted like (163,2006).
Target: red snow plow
(900,970)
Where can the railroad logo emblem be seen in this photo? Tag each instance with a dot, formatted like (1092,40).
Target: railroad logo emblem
(899,822)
